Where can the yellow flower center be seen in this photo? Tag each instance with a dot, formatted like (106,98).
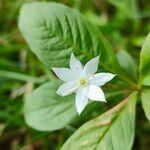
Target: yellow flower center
(83,81)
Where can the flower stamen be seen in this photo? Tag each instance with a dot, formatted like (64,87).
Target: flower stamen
(83,82)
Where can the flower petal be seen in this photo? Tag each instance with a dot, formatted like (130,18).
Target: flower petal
(65,74)
(81,100)
(95,93)
(91,66)
(75,64)
(67,88)
(101,78)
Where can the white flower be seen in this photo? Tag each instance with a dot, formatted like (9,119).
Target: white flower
(83,81)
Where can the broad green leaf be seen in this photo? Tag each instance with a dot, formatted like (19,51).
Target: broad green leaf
(146,102)
(113,130)
(53,31)
(145,62)
(46,111)
(127,63)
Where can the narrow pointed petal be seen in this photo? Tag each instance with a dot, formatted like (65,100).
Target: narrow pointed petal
(101,78)
(95,93)
(67,88)
(75,64)
(81,100)
(91,66)
(65,74)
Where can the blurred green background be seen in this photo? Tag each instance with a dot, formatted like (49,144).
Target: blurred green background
(125,23)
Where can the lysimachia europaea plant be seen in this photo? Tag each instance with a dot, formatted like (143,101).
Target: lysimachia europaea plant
(83,81)
(54,31)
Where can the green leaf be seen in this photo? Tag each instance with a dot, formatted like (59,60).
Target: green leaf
(46,111)
(145,62)
(43,108)
(53,31)
(113,130)
(146,102)
(127,63)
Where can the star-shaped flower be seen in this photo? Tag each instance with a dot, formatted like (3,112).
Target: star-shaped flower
(83,81)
